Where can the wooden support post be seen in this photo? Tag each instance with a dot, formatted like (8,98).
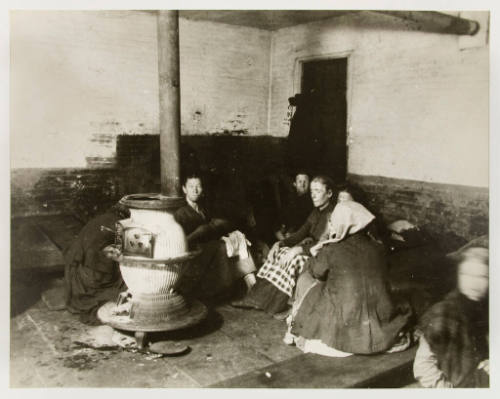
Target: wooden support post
(169,88)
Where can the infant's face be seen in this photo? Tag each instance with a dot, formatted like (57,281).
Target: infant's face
(344,196)
(473,279)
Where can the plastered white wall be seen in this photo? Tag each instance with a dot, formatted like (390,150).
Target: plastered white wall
(81,78)
(78,79)
(224,78)
(418,105)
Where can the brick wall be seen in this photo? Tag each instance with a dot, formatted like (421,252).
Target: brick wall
(248,157)
(82,192)
(233,165)
(439,208)
(235,169)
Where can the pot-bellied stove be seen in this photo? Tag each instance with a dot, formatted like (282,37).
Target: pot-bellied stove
(154,255)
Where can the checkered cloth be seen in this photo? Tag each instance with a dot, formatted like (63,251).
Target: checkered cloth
(281,274)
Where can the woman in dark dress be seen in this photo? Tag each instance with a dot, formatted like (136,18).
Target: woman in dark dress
(91,276)
(343,305)
(276,278)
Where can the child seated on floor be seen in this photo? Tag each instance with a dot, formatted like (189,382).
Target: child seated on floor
(453,345)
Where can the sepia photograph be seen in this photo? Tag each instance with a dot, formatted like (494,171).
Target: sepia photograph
(248,196)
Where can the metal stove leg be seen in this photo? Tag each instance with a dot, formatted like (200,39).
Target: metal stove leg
(140,339)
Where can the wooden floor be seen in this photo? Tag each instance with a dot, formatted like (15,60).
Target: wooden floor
(231,348)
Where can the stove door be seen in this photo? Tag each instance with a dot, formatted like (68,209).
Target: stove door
(138,242)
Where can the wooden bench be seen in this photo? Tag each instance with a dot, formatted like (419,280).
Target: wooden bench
(37,242)
(315,371)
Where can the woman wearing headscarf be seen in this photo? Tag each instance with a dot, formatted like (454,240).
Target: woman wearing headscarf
(453,346)
(343,305)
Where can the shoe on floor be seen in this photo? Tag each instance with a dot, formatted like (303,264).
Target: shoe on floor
(282,315)
(243,304)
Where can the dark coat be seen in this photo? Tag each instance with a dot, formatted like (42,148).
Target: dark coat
(189,219)
(351,309)
(92,279)
(296,211)
(212,272)
(200,228)
(457,332)
(314,228)
(305,144)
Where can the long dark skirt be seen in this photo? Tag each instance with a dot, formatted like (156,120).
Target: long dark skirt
(87,289)
(91,279)
(267,297)
(212,273)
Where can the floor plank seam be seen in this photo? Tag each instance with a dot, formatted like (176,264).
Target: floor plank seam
(44,337)
(181,371)
(47,236)
(257,351)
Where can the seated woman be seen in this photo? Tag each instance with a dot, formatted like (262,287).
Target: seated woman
(453,346)
(284,262)
(91,276)
(221,262)
(342,303)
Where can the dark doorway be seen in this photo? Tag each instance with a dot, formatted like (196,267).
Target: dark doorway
(323,86)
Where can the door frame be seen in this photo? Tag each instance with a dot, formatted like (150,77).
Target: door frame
(297,81)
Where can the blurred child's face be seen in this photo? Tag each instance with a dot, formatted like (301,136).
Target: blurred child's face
(301,184)
(193,189)
(473,279)
(344,196)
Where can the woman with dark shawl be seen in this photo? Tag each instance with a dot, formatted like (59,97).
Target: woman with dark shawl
(277,277)
(453,346)
(343,305)
(91,276)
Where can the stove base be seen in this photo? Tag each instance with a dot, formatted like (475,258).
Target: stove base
(197,312)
